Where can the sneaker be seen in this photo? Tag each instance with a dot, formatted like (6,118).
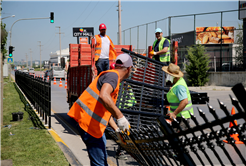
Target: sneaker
(121,156)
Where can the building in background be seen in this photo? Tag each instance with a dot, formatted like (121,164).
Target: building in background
(55,57)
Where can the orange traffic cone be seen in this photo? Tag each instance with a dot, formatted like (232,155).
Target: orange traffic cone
(54,81)
(60,85)
(234,136)
(65,84)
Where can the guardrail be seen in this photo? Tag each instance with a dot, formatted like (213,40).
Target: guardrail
(38,93)
(152,141)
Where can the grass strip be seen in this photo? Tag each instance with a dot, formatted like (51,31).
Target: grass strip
(30,143)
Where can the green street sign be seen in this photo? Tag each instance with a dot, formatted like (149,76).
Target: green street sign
(10,60)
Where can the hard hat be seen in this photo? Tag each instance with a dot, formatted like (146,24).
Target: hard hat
(112,66)
(102,26)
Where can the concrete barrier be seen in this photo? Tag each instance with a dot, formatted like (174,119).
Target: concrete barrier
(224,78)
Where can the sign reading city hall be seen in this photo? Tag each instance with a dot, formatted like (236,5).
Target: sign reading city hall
(83,32)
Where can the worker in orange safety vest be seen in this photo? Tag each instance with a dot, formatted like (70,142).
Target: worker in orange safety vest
(93,109)
(104,50)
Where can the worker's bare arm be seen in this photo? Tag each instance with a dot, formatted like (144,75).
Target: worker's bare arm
(164,50)
(112,123)
(107,101)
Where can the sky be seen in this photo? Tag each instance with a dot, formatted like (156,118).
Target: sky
(27,34)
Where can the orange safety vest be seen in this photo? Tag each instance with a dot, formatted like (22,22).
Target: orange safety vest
(88,110)
(98,48)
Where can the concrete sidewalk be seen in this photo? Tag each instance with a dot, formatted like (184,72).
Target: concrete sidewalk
(75,150)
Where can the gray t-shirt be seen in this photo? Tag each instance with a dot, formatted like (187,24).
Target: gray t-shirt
(109,77)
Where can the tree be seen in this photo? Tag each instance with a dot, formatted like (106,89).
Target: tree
(197,66)
(4,35)
(239,49)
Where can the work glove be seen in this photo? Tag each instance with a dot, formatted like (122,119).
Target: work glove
(152,52)
(120,139)
(123,123)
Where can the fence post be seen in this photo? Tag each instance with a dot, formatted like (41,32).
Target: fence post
(221,45)
(174,141)
(194,29)
(146,39)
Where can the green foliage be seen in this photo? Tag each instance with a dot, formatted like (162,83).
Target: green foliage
(4,35)
(27,146)
(239,49)
(197,66)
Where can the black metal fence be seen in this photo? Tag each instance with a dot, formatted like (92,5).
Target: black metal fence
(38,93)
(152,140)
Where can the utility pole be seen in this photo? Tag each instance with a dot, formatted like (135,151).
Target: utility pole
(40,53)
(1,89)
(60,43)
(26,60)
(119,22)
(31,56)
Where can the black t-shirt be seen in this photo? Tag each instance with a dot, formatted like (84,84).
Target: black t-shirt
(109,77)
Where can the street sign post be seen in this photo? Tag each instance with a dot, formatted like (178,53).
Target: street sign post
(10,60)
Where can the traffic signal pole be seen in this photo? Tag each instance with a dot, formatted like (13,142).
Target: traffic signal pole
(10,32)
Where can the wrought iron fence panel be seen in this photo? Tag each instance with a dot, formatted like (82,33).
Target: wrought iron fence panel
(38,93)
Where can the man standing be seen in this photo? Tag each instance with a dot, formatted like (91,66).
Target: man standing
(178,96)
(104,50)
(161,48)
(93,109)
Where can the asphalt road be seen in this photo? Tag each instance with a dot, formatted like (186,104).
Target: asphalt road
(60,107)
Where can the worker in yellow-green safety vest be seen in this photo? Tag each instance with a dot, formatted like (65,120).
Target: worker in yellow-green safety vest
(129,98)
(161,48)
(125,103)
(178,97)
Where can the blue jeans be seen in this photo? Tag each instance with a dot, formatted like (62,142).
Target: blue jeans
(96,148)
(102,65)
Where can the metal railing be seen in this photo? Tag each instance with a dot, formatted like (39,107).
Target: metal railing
(142,36)
(38,93)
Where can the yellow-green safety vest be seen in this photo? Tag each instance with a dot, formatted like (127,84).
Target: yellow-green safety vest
(166,56)
(129,99)
(174,101)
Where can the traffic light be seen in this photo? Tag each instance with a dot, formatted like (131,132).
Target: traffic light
(11,49)
(51,17)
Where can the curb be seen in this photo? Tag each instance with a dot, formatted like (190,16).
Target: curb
(73,161)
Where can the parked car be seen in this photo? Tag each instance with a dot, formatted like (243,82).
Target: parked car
(31,71)
(58,72)
(25,71)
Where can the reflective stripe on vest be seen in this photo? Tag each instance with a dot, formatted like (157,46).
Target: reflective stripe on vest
(129,98)
(98,48)
(89,111)
(177,104)
(174,101)
(166,56)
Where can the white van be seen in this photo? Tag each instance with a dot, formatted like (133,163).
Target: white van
(58,72)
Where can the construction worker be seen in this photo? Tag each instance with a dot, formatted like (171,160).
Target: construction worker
(161,48)
(104,50)
(93,109)
(178,97)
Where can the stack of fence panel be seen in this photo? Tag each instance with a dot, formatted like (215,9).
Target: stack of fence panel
(202,144)
(141,96)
